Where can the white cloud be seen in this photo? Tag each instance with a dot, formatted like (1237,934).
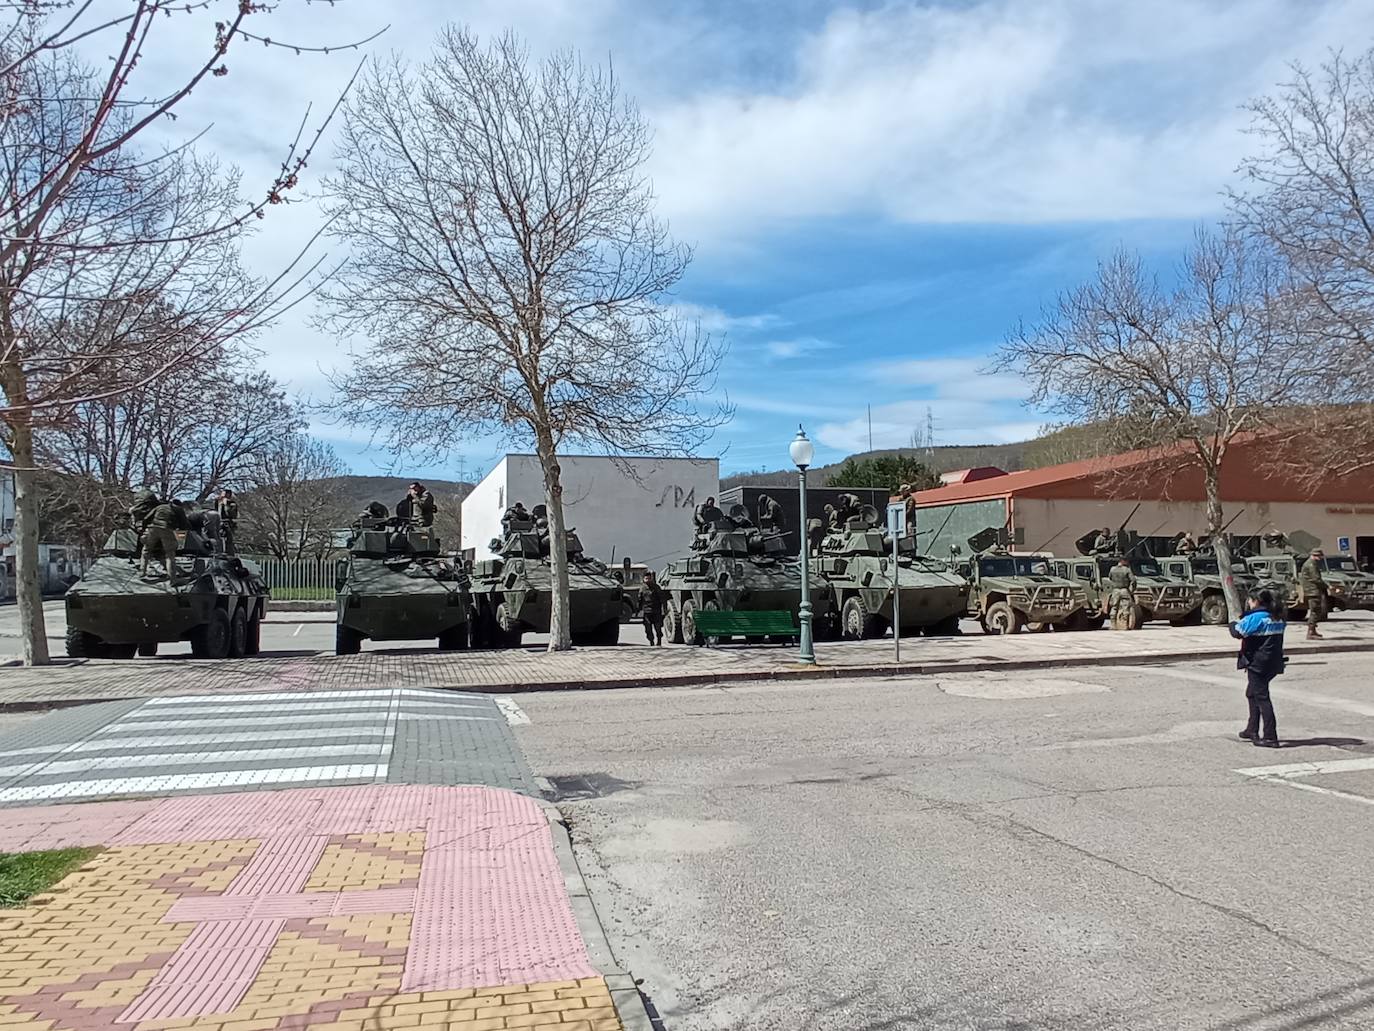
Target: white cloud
(965,379)
(956,422)
(786,350)
(714,320)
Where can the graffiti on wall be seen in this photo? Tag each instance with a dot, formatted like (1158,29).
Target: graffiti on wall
(675,497)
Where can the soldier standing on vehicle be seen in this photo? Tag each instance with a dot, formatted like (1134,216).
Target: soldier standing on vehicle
(418,505)
(167,518)
(228,508)
(143,506)
(815,534)
(909,499)
(1105,541)
(1123,587)
(652,599)
(1186,545)
(770,515)
(707,514)
(1314,590)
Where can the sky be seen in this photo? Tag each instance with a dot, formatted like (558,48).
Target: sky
(875,192)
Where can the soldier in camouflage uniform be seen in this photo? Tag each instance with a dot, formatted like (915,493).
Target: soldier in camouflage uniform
(770,515)
(165,520)
(1123,588)
(1313,591)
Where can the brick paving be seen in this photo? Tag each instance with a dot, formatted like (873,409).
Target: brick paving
(349,909)
(631,665)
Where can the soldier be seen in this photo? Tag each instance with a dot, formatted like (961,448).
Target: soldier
(165,520)
(849,507)
(143,506)
(1105,541)
(1186,545)
(1123,587)
(652,599)
(417,506)
(1314,590)
(770,515)
(706,514)
(228,508)
(909,497)
(815,533)
(208,525)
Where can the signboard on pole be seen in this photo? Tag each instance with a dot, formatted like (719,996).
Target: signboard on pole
(896,528)
(896,519)
(1342,543)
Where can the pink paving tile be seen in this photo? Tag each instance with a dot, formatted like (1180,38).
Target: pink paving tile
(65,826)
(280,866)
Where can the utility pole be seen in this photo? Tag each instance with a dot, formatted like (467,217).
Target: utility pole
(870,427)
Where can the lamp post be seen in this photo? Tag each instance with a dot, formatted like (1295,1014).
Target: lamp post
(803,451)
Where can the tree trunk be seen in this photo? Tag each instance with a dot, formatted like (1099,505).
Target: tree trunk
(560,615)
(27,587)
(1215,532)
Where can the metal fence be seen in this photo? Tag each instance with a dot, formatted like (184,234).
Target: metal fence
(305,579)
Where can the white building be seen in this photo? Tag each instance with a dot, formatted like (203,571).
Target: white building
(640,508)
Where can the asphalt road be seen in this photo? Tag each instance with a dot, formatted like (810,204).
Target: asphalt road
(1042,851)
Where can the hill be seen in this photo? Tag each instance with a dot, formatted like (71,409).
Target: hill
(356,491)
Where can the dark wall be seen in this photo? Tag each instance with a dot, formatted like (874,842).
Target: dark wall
(790,500)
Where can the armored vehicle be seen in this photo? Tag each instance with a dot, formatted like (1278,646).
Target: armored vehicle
(396,585)
(1348,587)
(1007,592)
(513,593)
(734,566)
(1279,573)
(1158,595)
(856,566)
(216,601)
(1203,570)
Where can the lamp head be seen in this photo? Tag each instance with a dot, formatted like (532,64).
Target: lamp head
(802,450)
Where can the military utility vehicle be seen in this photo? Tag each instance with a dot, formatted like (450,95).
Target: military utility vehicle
(513,592)
(1008,591)
(1203,570)
(1348,588)
(734,566)
(856,565)
(1158,595)
(216,601)
(396,585)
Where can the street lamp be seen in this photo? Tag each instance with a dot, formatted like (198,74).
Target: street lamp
(803,451)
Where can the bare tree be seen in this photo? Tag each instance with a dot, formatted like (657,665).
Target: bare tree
(508,268)
(111,253)
(1182,373)
(293,500)
(1308,193)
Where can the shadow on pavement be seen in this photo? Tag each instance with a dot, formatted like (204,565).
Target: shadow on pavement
(1334,742)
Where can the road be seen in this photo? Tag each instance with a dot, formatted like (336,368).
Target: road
(1073,849)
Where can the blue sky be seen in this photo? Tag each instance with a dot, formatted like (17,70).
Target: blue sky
(876,192)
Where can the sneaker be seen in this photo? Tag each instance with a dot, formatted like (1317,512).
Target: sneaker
(1266,742)
(1248,735)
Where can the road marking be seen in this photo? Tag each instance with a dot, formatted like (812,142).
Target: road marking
(172,759)
(1300,695)
(297,631)
(192,781)
(299,697)
(515,715)
(1318,789)
(1310,769)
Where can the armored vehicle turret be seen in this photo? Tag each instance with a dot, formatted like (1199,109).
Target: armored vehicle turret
(216,601)
(513,592)
(398,586)
(856,565)
(1007,591)
(734,567)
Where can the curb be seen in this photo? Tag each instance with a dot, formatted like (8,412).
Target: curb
(629,1004)
(780,675)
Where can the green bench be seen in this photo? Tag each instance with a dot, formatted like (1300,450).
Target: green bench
(714,625)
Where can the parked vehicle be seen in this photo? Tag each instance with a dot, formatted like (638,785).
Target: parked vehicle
(1007,591)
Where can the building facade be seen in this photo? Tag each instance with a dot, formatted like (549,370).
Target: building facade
(637,508)
(1049,509)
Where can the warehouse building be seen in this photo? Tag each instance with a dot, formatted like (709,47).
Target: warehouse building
(1049,509)
(635,507)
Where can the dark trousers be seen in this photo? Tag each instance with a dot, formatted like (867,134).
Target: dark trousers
(1261,708)
(653,627)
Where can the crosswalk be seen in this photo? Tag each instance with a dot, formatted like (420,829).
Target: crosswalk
(225,742)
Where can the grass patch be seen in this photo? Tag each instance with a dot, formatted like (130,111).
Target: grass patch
(26,874)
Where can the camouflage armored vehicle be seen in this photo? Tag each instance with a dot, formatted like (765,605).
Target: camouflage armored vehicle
(1202,569)
(1007,592)
(1348,587)
(1280,556)
(856,566)
(513,593)
(397,586)
(735,567)
(1158,595)
(216,601)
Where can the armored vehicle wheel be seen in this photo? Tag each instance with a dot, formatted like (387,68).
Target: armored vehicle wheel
(454,639)
(607,634)
(83,645)
(689,623)
(211,641)
(1085,620)
(148,649)
(672,624)
(710,605)
(1193,618)
(508,630)
(1039,628)
(857,623)
(238,634)
(1214,609)
(347,641)
(1127,617)
(252,641)
(1001,618)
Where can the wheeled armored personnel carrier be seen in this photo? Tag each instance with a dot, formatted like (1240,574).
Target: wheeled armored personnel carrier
(856,565)
(398,586)
(1278,557)
(216,601)
(1157,594)
(1007,591)
(512,593)
(1202,569)
(734,566)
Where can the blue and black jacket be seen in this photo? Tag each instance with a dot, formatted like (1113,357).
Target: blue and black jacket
(1261,643)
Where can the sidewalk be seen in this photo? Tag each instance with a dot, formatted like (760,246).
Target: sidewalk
(348,909)
(505,672)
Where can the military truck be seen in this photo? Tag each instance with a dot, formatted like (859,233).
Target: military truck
(397,585)
(1348,588)
(1007,592)
(1158,594)
(855,566)
(215,600)
(1203,569)
(1274,560)
(513,592)
(733,567)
